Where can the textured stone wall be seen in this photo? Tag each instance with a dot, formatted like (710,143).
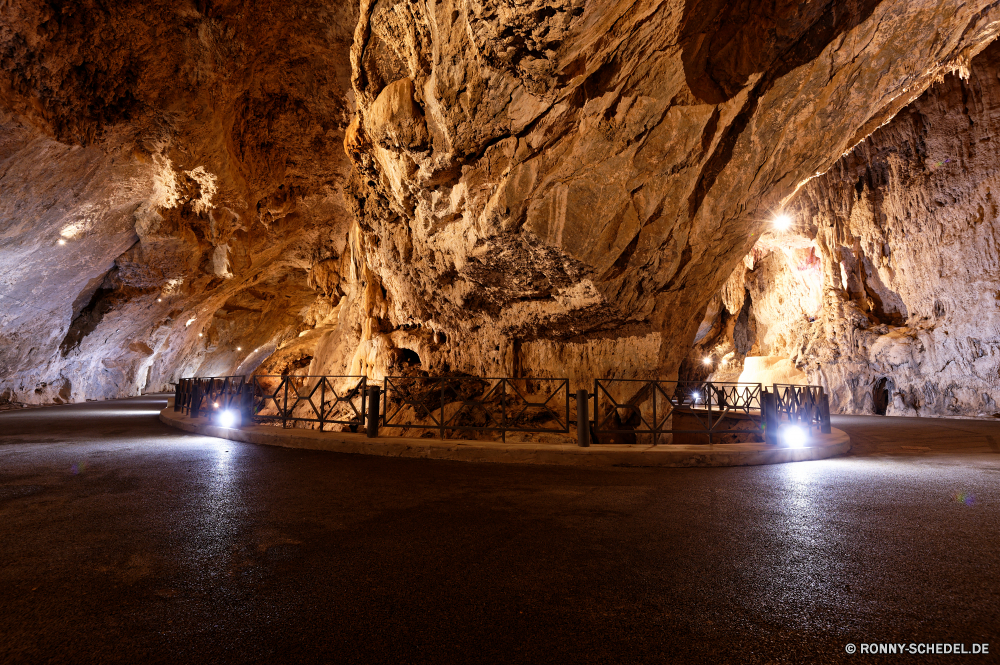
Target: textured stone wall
(560,187)
(171,180)
(889,281)
(543,187)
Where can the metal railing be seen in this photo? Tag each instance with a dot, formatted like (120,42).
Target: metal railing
(323,400)
(644,411)
(201,393)
(472,404)
(804,405)
(625,410)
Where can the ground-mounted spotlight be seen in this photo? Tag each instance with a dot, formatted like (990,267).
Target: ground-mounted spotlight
(696,396)
(794,436)
(229,418)
(782,222)
(707,360)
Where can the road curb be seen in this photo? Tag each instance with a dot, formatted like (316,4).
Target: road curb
(737,454)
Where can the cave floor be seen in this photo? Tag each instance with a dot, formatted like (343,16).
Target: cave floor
(123,540)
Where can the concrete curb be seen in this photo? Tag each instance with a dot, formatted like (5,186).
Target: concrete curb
(736,454)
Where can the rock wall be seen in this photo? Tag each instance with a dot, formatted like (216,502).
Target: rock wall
(171,190)
(887,288)
(559,187)
(543,187)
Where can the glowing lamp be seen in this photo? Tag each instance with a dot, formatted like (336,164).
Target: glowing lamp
(706,360)
(782,222)
(229,419)
(794,436)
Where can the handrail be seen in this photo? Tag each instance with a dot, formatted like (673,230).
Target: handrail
(468,403)
(624,410)
(805,405)
(274,398)
(657,408)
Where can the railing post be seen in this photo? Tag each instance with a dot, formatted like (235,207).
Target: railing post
(372,412)
(195,400)
(769,408)
(708,398)
(655,429)
(503,410)
(582,419)
(597,411)
(322,401)
(284,403)
(363,384)
(177,395)
(246,402)
(824,414)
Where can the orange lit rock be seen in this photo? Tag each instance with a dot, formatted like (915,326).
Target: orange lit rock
(898,290)
(595,171)
(550,187)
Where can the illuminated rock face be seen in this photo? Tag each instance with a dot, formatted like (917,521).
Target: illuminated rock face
(887,290)
(540,188)
(560,187)
(170,175)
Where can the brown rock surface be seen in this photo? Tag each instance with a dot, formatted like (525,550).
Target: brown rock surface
(593,171)
(544,187)
(888,287)
(169,175)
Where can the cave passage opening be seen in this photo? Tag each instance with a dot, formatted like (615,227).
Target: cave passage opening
(409,357)
(880,396)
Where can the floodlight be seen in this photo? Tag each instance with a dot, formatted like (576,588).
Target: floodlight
(794,436)
(228,418)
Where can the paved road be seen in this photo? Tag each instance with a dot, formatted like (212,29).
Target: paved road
(122,540)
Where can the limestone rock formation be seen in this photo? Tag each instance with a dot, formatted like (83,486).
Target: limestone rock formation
(548,187)
(560,187)
(887,289)
(171,176)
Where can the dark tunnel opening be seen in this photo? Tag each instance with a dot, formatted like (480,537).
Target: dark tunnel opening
(880,396)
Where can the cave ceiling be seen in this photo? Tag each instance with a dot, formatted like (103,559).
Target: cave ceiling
(547,187)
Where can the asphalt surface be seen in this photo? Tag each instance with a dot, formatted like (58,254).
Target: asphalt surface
(122,540)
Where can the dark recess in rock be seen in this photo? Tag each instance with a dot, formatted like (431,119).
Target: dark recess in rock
(87,320)
(882,395)
(744,333)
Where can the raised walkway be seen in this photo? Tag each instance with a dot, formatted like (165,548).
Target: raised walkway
(822,446)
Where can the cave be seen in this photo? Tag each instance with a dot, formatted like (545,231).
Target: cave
(409,357)
(793,190)
(393,330)
(881,396)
